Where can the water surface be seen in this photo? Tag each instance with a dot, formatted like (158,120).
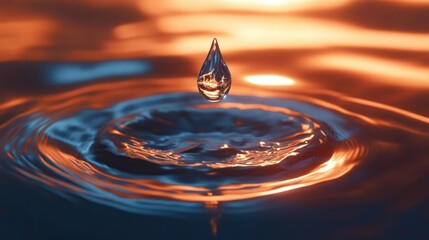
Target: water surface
(324,133)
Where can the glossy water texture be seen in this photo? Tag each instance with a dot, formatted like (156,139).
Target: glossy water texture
(214,79)
(174,147)
(324,135)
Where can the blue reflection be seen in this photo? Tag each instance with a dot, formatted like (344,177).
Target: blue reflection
(330,117)
(68,73)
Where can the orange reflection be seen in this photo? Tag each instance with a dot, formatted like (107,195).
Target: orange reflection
(12,103)
(17,38)
(339,164)
(167,6)
(239,32)
(378,69)
(269,80)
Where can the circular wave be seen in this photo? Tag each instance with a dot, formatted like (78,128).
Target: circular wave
(167,151)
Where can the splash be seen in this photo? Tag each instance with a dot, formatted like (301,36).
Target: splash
(174,153)
(214,79)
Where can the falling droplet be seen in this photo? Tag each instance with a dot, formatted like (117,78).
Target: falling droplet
(214,79)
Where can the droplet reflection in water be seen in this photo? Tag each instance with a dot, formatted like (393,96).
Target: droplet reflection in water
(214,79)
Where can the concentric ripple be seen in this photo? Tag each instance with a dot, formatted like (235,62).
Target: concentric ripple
(174,152)
(213,136)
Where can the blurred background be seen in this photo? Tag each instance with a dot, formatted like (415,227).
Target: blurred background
(375,50)
(337,44)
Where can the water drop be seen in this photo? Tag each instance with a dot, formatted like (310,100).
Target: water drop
(214,79)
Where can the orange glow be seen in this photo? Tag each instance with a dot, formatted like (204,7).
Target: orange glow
(135,29)
(379,69)
(167,6)
(12,103)
(269,80)
(339,164)
(18,37)
(259,32)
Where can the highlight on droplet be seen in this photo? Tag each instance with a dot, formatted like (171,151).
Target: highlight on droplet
(214,78)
